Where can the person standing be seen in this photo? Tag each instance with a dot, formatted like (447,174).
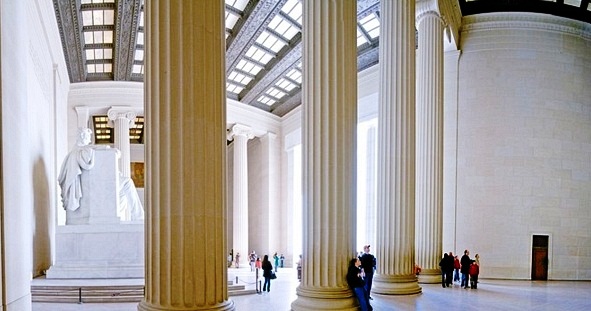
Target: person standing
(443,267)
(237,258)
(267,272)
(357,284)
(449,270)
(465,268)
(282,258)
(456,269)
(276,258)
(474,272)
(368,263)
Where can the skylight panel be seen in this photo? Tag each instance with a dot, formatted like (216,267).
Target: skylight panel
(360,37)
(92,54)
(269,41)
(99,68)
(293,8)
(233,88)
(248,67)
(138,69)
(266,100)
(285,84)
(140,38)
(371,25)
(576,3)
(237,4)
(283,27)
(240,78)
(275,93)
(139,55)
(295,75)
(258,55)
(231,19)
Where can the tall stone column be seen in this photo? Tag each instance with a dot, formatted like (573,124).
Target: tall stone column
(123,118)
(329,154)
(240,134)
(185,157)
(396,151)
(429,191)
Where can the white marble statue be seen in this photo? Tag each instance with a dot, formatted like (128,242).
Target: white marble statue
(130,205)
(81,157)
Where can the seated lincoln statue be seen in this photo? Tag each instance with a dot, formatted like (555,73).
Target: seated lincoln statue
(82,158)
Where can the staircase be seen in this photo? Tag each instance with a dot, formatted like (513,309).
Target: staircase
(53,292)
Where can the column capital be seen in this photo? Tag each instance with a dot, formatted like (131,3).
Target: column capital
(239,130)
(425,8)
(117,112)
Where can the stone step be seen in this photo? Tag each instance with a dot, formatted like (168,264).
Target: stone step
(104,293)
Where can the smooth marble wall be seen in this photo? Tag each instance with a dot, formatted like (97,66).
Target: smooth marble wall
(523,165)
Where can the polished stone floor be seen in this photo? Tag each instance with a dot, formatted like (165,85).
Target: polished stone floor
(491,295)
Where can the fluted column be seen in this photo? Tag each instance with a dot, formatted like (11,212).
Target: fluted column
(396,151)
(240,134)
(429,192)
(123,118)
(329,154)
(185,157)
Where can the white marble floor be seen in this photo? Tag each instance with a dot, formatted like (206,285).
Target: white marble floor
(503,295)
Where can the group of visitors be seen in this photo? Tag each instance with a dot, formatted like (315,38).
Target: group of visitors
(467,267)
(360,277)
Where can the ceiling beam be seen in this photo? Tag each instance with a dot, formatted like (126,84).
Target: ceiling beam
(69,26)
(254,25)
(126,23)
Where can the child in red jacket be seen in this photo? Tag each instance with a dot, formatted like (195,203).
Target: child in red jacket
(474,271)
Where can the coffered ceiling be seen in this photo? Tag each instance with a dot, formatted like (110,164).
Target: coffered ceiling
(104,40)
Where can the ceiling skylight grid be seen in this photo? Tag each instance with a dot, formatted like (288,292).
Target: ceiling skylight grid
(138,58)
(284,84)
(361,39)
(248,67)
(371,25)
(293,8)
(266,100)
(270,41)
(576,3)
(275,93)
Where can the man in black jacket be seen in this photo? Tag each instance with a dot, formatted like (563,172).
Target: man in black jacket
(368,263)
(465,268)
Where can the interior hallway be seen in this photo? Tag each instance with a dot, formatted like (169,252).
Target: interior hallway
(504,295)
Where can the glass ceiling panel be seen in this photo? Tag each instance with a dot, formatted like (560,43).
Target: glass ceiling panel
(283,27)
(233,88)
(286,85)
(248,67)
(269,41)
(258,55)
(240,78)
(371,25)
(99,68)
(96,1)
(293,8)
(576,3)
(275,93)
(237,4)
(92,54)
(360,37)
(266,100)
(295,75)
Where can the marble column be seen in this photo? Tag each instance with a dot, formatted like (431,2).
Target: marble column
(329,99)
(186,248)
(429,191)
(240,134)
(396,151)
(123,118)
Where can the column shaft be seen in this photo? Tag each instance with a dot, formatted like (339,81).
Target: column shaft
(185,157)
(329,154)
(429,195)
(396,151)
(122,119)
(240,134)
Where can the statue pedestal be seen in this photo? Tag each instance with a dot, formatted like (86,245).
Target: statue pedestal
(99,251)
(100,191)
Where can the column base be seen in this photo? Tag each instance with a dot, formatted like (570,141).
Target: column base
(396,285)
(430,276)
(317,298)
(227,305)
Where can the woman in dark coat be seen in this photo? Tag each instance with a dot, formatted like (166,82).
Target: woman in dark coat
(267,271)
(357,284)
